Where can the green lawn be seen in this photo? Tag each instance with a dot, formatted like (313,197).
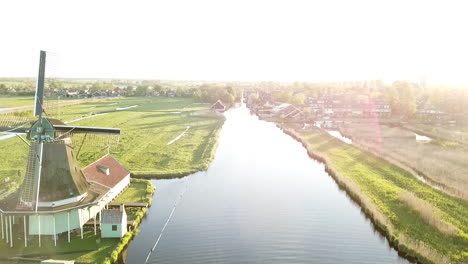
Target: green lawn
(13,156)
(382,182)
(148,128)
(135,193)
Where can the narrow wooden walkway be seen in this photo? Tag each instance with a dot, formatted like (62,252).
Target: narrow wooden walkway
(90,223)
(128,204)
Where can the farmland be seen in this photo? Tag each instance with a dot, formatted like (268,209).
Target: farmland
(6,102)
(146,129)
(441,160)
(429,225)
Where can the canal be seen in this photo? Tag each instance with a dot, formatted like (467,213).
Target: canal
(263,200)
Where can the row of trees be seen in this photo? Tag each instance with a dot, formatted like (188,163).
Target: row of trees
(208,93)
(211,93)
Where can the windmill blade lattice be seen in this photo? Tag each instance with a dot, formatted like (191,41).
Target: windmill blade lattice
(17,118)
(96,140)
(27,191)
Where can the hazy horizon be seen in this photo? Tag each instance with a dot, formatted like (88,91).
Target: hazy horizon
(282,41)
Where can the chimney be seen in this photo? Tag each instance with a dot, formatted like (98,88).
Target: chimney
(122,207)
(104,169)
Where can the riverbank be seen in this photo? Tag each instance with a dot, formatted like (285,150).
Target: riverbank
(439,161)
(440,236)
(204,157)
(92,248)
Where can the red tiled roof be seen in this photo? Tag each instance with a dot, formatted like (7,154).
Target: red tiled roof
(117,172)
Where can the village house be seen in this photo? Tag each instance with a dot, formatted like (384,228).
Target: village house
(430,112)
(291,112)
(171,93)
(338,106)
(218,106)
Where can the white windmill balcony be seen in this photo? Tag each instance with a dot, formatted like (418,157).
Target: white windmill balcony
(64,201)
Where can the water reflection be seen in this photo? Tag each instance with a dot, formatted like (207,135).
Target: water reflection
(263,200)
(422,138)
(338,135)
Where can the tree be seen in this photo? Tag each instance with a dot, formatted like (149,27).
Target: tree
(3,89)
(282,95)
(97,86)
(129,90)
(157,88)
(141,90)
(55,85)
(402,99)
(298,99)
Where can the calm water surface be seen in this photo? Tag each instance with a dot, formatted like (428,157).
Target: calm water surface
(263,200)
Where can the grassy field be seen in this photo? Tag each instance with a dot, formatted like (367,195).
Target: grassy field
(6,102)
(145,132)
(135,193)
(378,186)
(440,160)
(90,249)
(13,156)
(455,133)
(15,101)
(148,128)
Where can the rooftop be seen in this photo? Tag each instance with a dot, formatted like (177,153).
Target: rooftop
(106,171)
(112,216)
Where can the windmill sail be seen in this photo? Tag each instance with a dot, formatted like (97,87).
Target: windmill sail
(39,98)
(27,191)
(61,129)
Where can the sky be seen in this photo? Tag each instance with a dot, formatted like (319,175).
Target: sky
(244,40)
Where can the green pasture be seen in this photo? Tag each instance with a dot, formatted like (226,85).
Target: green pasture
(145,132)
(6,102)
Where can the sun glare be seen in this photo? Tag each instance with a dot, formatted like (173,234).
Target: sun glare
(241,40)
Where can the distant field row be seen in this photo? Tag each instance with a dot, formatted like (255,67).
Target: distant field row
(6,102)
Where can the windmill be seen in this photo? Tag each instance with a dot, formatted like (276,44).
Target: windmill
(52,175)
(56,196)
